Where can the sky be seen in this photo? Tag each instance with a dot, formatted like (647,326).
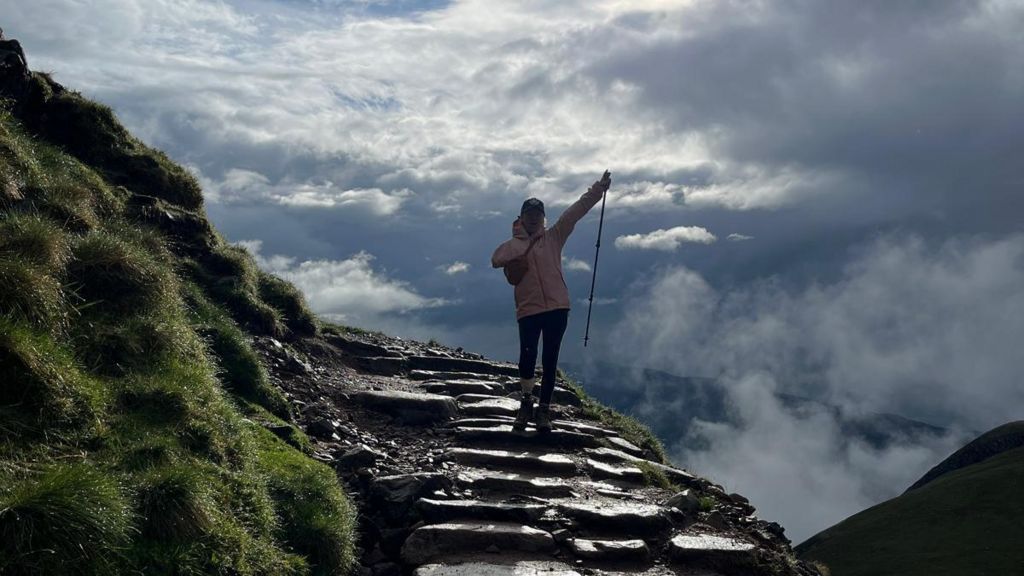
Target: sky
(820,199)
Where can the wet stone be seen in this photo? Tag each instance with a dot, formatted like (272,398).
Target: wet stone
(512,483)
(522,568)
(711,549)
(491,407)
(437,511)
(555,464)
(634,519)
(630,474)
(461,365)
(610,550)
(436,541)
(410,407)
(441,375)
(625,445)
(457,387)
(505,435)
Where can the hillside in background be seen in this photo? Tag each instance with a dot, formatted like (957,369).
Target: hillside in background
(963,517)
(168,408)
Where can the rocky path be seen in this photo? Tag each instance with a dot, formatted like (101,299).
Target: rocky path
(473,497)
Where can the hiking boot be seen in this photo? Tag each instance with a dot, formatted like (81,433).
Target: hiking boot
(525,413)
(543,418)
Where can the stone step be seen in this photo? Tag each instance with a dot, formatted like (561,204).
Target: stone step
(494,421)
(409,407)
(456,387)
(445,375)
(490,407)
(515,568)
(724,553)
(511,483)
(439,511)
(435,541)
(559,395)
(442,364)
(505,435)
(612,456)
(472,398)
(625,445)
(383,365)
(617,517)
(355,347)
(610,550)
(629,474)
(554,464)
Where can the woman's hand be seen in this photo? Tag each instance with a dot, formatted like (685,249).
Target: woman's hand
(604,183)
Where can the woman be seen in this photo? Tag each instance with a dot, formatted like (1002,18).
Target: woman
(542,298)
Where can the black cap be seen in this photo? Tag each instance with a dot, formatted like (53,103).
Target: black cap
(532,204)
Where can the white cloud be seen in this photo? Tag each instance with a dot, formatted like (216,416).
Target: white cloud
(667,240)
(455,268)
(734,237)
(575,264)
(372,200)
(349,289)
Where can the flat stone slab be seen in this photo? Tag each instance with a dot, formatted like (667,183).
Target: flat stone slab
(584,428)
(483,422)
(442,364)
(612,456)
(491,407)
(447,375)
(612,472)
(625,445)
(610,550)
(411,407)
(712,549)
(435,541)
(616,516)
(522,568)
(513,483)
(555,464)
(505,435)
(439,511)
(457,387)
(470,398)
(559,395)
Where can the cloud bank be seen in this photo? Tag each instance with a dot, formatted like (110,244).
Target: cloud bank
(920,329)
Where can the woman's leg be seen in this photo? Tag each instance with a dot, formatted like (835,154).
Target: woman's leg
(529,335)
(554,328)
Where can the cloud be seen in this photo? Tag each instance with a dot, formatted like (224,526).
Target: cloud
(373,200)
(455,268)
(575,264)
(345,289)
(667,240)
(925,330)
(738,237)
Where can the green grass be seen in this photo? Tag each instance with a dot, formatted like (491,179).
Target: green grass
(630,428)
(41,387)
(656,477)
(316,519)
(71,519)
(131,401)
(964,522)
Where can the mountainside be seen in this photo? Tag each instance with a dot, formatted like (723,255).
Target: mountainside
(963,518)
(168,408)
(669,403)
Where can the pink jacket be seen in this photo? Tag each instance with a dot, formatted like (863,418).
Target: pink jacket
(543,288)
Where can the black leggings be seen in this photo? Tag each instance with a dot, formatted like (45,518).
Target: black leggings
(552,324)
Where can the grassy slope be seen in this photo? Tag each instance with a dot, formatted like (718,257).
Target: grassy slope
(962,523)
(130,397)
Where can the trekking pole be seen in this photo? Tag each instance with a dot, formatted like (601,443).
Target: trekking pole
(593,279)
